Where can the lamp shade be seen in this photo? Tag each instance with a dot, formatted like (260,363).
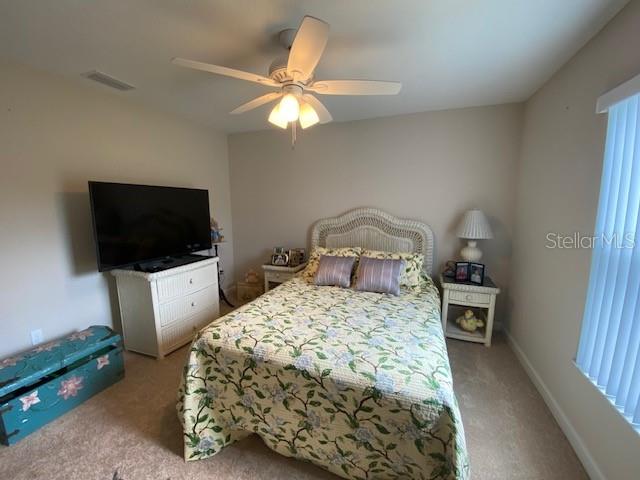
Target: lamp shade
(474,226)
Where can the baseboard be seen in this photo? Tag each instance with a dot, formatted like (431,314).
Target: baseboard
(574,439)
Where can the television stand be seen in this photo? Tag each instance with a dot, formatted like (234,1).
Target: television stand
(166,263)
(161,311)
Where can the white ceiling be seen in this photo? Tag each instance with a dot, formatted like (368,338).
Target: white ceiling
(447,53)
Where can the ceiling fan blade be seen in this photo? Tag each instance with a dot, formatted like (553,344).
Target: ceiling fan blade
(307,48)
(257,102)
(227,72)
(321,110)
(355,87)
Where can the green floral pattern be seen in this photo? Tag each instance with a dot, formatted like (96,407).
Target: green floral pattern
(356,382)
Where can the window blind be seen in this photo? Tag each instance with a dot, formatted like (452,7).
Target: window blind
(609,347)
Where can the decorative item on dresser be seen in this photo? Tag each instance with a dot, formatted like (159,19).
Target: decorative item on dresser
(161,311)
(474,226)
(52,378)
(216,231)
(274,274)
(458,299)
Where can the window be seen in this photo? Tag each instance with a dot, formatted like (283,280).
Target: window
(609,348)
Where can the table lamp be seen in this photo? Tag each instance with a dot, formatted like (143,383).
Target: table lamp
(474,226)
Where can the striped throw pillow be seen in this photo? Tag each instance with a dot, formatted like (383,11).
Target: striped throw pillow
(380,275)
(334,271)
(413,263)
(309,272)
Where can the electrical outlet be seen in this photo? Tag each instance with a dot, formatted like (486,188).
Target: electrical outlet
(36,337)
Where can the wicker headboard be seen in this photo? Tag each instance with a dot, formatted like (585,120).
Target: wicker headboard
(375,230)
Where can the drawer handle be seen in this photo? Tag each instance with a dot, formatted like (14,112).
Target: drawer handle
(469,297)
(193,304)
(191,281)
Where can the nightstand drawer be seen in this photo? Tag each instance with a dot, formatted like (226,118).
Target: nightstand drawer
(279,276)
(478,298)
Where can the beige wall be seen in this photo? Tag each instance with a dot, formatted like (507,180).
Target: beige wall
(54,136)
(430,166)
(558,187)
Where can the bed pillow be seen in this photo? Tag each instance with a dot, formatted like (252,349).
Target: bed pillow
(380,275)
(335,271)
(413,262)
(314,259)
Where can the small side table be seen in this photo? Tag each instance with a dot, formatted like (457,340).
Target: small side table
(458,297)
(276,274)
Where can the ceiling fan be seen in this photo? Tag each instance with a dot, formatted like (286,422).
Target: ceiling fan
(293,76)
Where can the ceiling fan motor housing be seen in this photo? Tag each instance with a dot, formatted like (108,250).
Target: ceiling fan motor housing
(278,69)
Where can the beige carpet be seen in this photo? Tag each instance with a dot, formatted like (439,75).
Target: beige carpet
(132,428)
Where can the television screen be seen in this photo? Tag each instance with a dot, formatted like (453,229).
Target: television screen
(139,223)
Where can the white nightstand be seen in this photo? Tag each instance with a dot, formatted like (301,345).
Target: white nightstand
(458,297)
(277,275)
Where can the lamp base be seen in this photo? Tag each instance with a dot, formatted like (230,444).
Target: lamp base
(471,253)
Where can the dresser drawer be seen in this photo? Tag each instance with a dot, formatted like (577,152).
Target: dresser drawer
(471,297)
(184,283)
(188,305)
(204,318)
(183,331)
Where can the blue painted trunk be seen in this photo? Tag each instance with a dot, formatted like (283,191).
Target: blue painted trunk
(40,385)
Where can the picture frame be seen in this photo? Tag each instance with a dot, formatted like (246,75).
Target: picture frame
(449,269)
(278,250)
(462,271)
(476,273)
(296,257)
(280,259)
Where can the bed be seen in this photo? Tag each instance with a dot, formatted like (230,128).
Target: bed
(358,383)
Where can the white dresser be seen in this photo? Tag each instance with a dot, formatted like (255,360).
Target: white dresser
(162,311)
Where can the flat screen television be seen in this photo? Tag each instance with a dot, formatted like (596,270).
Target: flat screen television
(137,224)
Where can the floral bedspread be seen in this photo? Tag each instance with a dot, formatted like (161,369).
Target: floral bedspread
(357,383)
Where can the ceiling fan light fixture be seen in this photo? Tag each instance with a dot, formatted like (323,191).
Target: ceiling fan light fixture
(289,108)
(276,118)
(293,74)
(308,116)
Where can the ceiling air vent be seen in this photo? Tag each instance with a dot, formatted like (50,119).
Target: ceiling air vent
(107,80)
